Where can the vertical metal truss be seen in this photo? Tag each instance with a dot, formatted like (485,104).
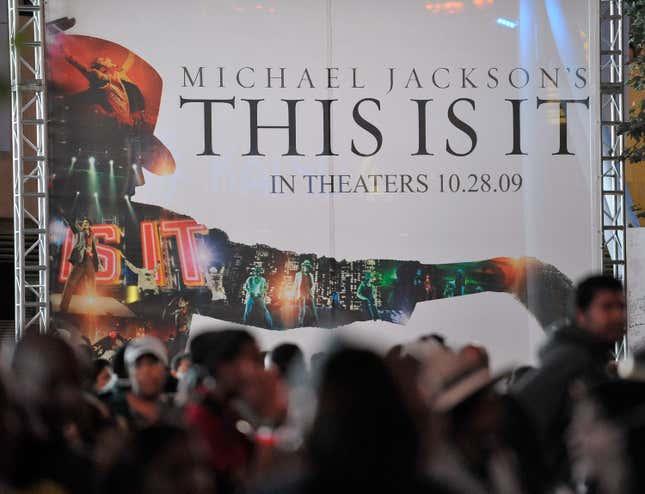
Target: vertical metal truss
(29,146)
(612,113)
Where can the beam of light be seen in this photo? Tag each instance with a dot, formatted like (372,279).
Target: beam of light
(506,22)
(133,215)
(91,303)
(78,192)
(91,173)
(566,38)
(287,290)
(205,256)
(57,232)
(139,179)
(98,205)
(112,181)
(72,162)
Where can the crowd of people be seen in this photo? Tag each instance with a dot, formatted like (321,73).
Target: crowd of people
(426,417)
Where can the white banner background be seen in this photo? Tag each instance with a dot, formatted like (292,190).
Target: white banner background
(553,218)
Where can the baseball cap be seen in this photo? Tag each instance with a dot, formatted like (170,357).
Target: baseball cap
(464,384)
(145,345)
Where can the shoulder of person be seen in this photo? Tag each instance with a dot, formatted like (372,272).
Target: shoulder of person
(428,483)
(565,356)
(566,342)
(296,484)
(117,402)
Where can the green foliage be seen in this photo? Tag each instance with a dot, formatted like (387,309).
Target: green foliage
(18,41)
(635,10)
(635,127)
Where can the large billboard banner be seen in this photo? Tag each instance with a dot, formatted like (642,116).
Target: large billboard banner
(311,167)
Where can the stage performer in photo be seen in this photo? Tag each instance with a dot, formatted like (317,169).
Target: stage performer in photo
(460,283)
(256,287)
(304,284)
(183,317)
(84,260)
(365,293)
(108,98)
(111,91)
(215,283)
(428,292)
(146,278)
(449,290)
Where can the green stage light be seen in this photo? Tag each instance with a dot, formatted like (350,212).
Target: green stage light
(112,191)
(133,215)
(91,175)
(99,212)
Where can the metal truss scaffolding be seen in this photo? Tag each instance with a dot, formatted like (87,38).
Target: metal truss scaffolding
(612,108)
(29,147)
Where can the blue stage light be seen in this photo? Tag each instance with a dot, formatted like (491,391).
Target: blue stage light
(506,23)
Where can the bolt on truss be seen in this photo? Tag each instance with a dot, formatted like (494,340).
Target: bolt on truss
(29,146)
(612,113)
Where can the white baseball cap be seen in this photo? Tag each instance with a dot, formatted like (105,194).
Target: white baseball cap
(145,345)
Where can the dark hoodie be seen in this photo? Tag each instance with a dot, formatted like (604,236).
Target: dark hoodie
(570,355)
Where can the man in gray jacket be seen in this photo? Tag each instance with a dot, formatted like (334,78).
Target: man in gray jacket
(576,353)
